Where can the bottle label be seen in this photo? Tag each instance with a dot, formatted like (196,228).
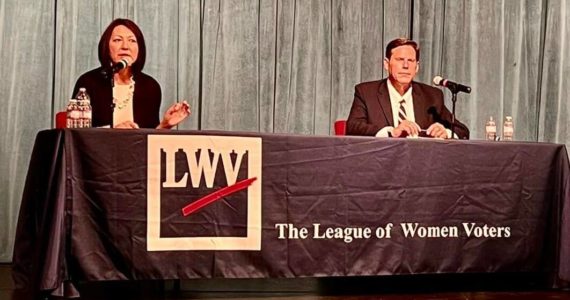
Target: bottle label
(491,129)
(75,114)
(508,130)
(87,114)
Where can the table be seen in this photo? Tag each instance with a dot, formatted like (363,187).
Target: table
(102,204)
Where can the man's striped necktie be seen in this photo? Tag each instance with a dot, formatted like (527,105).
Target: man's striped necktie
(402,111)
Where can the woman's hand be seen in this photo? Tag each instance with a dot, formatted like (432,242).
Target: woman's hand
(174,115)
(127,125)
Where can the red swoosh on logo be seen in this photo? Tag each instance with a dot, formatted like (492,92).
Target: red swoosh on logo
(210,198)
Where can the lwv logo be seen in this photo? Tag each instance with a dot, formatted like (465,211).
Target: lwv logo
(211,150)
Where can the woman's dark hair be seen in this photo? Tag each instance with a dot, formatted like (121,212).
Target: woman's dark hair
(105,57)
(402,42)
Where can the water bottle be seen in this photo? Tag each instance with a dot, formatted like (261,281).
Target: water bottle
(84,107)
(88,114)
(72,119)
(490,129)
(508,129)
(80,108)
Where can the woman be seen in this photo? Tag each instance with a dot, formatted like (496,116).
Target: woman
(126,98)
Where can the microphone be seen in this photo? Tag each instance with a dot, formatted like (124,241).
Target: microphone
(453,86)
(123,63)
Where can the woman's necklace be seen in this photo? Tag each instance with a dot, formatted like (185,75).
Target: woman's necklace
(122,103)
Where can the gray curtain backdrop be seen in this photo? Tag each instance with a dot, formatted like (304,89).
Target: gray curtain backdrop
(284,66)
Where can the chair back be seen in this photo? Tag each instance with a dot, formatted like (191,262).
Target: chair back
(61,120)
(340,127)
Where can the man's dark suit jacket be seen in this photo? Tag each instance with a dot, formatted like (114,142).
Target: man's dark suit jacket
(372,111)
(146,98)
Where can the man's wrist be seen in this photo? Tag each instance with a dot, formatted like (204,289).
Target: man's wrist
(385,132)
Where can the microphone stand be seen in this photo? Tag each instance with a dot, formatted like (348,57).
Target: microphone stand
(113,100)
(454,92)
(455,88)
(108,74)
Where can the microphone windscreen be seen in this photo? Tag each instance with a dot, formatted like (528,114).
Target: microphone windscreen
(437,80)
(124,62)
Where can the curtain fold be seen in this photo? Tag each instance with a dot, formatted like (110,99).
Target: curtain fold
(27,60)
(553,125)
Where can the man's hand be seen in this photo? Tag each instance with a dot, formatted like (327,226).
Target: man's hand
(437,130)
(406,128)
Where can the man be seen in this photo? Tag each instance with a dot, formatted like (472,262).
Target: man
(397,106)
